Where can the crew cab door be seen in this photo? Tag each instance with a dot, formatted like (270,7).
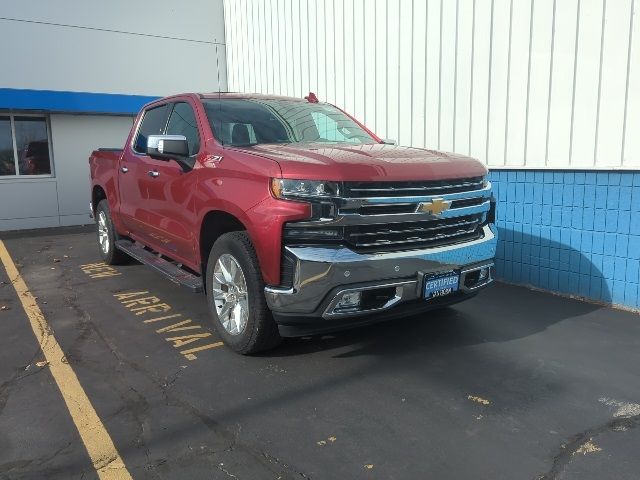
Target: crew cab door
(157,195)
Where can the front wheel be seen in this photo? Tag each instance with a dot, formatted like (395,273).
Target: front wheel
(235,294)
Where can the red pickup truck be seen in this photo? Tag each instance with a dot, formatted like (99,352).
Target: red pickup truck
(292,216)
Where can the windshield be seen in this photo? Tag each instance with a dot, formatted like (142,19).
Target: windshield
(245,122)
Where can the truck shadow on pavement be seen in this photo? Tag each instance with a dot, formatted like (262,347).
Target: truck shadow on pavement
(495,345)
(504,312)
(486,348)
(468,345)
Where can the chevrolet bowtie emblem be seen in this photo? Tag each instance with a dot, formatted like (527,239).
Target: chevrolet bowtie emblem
(434,207)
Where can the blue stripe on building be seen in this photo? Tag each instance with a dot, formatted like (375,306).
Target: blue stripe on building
(574,232)
(71,102)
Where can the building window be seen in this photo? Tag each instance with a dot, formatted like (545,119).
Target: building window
(24,146)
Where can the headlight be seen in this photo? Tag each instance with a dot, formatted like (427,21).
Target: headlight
(284,188)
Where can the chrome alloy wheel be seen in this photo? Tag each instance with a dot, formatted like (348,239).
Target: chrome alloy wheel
(103,232)
(230,294)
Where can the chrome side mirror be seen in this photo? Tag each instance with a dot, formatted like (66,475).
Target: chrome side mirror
(389,141)
(167,147)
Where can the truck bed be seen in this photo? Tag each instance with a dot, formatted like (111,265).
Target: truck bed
(103,164)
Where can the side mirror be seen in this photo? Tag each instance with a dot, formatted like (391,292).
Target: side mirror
(167,147)
(389,141)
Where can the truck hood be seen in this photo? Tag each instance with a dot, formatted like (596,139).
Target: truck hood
(367,162)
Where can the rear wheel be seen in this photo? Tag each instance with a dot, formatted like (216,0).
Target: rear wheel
(107,236)
(235,294)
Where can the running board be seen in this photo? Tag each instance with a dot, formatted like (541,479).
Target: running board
(171,271)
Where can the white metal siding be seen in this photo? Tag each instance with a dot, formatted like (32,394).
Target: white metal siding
(516,83)
(144,47)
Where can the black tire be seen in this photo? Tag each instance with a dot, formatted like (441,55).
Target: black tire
(111,255)
(261,332)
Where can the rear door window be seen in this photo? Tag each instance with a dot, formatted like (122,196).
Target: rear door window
(153,123)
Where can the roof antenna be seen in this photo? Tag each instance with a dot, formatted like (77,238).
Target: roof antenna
(311,98)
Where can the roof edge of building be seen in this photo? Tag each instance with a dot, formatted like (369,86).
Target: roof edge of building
(72,102)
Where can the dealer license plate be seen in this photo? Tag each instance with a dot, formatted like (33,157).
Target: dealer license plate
(441,285)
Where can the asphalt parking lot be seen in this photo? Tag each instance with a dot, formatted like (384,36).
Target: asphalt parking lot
(513,384)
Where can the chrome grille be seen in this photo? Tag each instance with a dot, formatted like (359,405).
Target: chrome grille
(390,208)
(386,216)
(421,234)
(412,188)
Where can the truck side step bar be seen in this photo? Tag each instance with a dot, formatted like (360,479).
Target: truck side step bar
(170,270)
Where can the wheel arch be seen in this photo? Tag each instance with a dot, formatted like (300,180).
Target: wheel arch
(97,195)
(214,224)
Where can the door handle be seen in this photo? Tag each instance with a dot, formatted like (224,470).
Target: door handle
(124,169)
(153,174)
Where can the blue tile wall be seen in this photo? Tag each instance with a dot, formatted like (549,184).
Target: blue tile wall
(573,232)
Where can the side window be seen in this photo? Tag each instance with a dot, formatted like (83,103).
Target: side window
(183,122)
(153,123)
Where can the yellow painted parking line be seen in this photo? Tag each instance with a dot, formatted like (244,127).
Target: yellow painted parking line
(103,453)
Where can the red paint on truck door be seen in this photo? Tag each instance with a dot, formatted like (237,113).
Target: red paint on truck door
(157,195)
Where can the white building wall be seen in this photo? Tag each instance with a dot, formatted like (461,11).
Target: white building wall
(137,50)
(515,83)
(144,47)
(62,199)
(29,203)
(76,136)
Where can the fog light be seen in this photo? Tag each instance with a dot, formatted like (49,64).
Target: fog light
(484,274)
(349,300)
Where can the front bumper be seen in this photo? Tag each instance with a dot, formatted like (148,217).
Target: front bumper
(321,274)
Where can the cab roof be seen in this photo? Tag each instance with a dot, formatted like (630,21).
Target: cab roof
(256,96)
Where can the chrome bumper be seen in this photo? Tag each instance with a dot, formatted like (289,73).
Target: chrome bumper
(322,274)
